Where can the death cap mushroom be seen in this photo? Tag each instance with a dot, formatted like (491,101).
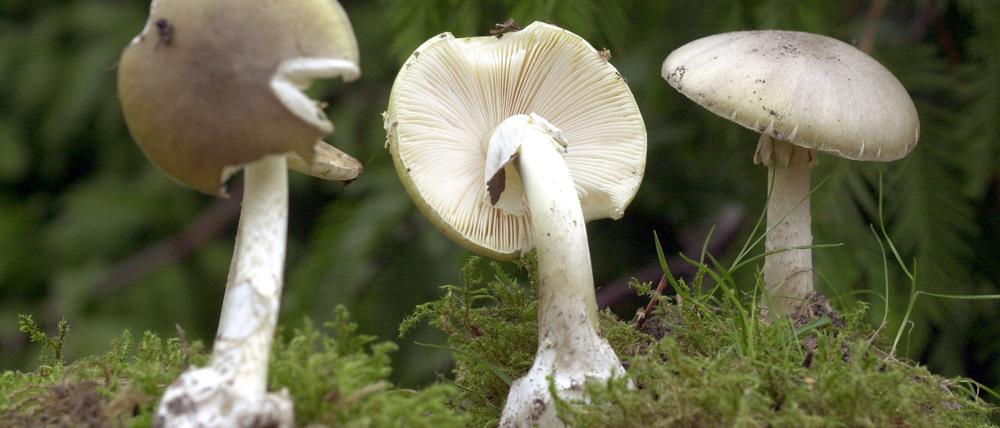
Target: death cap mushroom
(810,90)
(439,136)
(210,86)
(803,93)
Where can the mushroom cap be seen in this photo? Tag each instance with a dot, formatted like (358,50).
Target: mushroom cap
(451,94)
(810,90)
(328,163)
(208,87)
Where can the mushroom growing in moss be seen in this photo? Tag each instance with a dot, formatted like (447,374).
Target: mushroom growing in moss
(512,143)
(803,93)
(207,89)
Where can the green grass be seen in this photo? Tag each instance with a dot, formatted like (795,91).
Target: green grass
(703,358)
(336,376)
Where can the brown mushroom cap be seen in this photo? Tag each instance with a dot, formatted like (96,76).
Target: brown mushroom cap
(810,90)
(196,84)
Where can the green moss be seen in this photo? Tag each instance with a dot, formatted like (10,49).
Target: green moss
(119,387)
(491,327)
(336,376)
(828,376)
(703,358)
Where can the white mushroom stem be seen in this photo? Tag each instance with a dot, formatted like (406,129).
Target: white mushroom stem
(232,390)
(566,286)
(253,290)
(788,274)
(570,347)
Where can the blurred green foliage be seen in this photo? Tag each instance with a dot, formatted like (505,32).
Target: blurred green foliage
(78,200)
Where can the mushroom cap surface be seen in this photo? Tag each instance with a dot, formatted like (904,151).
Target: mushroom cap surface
(200,85)
(328,163)
(810,90)
(451,94)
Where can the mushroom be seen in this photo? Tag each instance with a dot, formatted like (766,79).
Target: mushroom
(803,93)
(510,143)
(208,88)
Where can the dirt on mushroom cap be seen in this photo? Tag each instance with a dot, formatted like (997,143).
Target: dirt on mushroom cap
(810,90)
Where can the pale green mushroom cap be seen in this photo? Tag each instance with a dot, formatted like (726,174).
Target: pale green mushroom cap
(810,90)
(328,163)
(452,93)
(209,86)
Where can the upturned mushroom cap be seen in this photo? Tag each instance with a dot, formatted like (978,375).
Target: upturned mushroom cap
(451,94)
(209,86)
(810,90)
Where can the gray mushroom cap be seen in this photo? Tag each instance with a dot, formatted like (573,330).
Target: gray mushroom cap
(810,90)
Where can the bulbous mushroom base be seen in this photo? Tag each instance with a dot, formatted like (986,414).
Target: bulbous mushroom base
(206,397)
(530,402)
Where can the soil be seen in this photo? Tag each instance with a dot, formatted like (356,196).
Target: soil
(67,404)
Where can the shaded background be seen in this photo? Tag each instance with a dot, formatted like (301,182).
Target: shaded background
(91,232)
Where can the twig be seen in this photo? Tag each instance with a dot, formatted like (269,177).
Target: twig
(640,319)
(508,26)
(213,220)
(871,26)
(182,338)
(947,40)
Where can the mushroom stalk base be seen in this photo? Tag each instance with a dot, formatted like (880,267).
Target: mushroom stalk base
(232,389)
(788,274)
(571,349)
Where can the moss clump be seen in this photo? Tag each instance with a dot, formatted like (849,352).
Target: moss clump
(118,388)
(802,377)
(336,376)
(702,359)
(492,326)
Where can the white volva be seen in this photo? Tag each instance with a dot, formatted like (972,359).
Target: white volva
(570,347)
